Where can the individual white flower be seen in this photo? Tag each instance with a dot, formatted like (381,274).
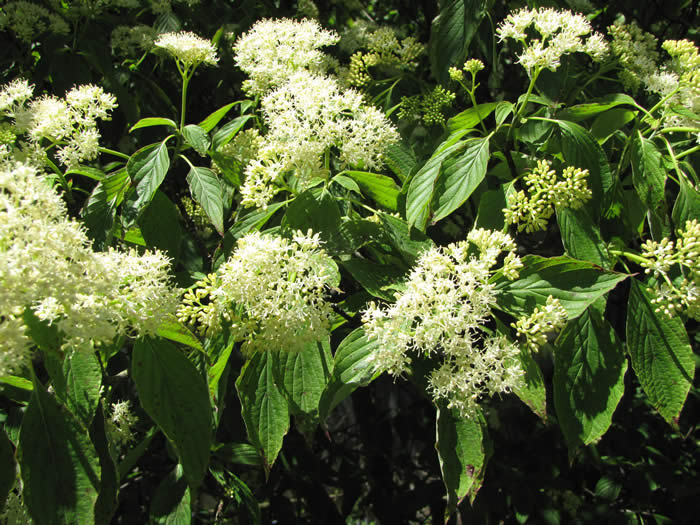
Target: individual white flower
(270,293)
(188,48)
(272,50)
(442,310)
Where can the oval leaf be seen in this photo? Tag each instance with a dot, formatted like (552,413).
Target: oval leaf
(59,464)
(175,396)
(153,121)
(196,137)
(147,169)
(589,373)
(206,189)
(661,354)
(263,407)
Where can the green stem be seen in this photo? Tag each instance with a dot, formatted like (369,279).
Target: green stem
(687,152)
(676,168)
(115,153)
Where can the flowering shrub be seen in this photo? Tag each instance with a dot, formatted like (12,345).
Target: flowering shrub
(222,226)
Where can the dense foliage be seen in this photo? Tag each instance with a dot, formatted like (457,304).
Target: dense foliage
(361,262)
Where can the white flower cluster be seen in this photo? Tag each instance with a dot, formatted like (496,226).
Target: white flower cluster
(442,311)
(28,21)
(660,257)
(677,80)
(70,123)
(307,114)
(561,33)
(531,211)
(47,265)
(132,41)
(273,50)
(188,49)
(270,293)
(120,424)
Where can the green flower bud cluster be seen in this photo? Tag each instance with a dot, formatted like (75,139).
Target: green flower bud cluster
(661,257)
(28,20)
(545,191)
(534,328)
(428,108)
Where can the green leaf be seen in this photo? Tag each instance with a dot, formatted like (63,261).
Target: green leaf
(303,376)
(581,236)
(408,242)
(649,179)
(175,331)
(589,373)
(161,210)
(316,210)
(196,137)
(660,352)
(469,118)
(461,177)
(609,122)
(377,279)
(214,118)
(463,448)
(382,189)
(206,189)
(254,220)
(108,498)
(171,501)
(175,396)
(86,171)
(153,121)
(687,206)
(263,407)
(347,183)
(491,205)
(238,453)
(503,109)
(98,212)
(59,464)
(532,392)
(582,150)
(147,169)
(401,159)
(597,106)
(83,379)
(352,369)
(229,130)
(7,467)
(217,387)
(422,186)
(577,284)
(452,32)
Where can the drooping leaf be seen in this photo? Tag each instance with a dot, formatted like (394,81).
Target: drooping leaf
(179,333)
(380,188)
(59,464)
(147,169)
(660,352)
(206,189)
(316,210)
(196,137)
(532,391)
(108,498)
(83,378)
(687,206)
(610,121)
(352,369)
(401,160)
(581,236)
(422,187)
(464,448)
(582,150)
(215,117)
(577,284)
(7,467)
(175,396)
(461,177)
(161,210)
(452,32)
(649,179)
(589,372)
(303,376)
(264,409)
(377,279)
(171,501)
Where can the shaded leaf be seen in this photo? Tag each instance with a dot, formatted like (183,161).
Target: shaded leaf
(206,189)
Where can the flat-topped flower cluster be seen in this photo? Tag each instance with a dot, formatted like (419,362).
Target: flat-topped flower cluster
(47,266)
(307,113)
